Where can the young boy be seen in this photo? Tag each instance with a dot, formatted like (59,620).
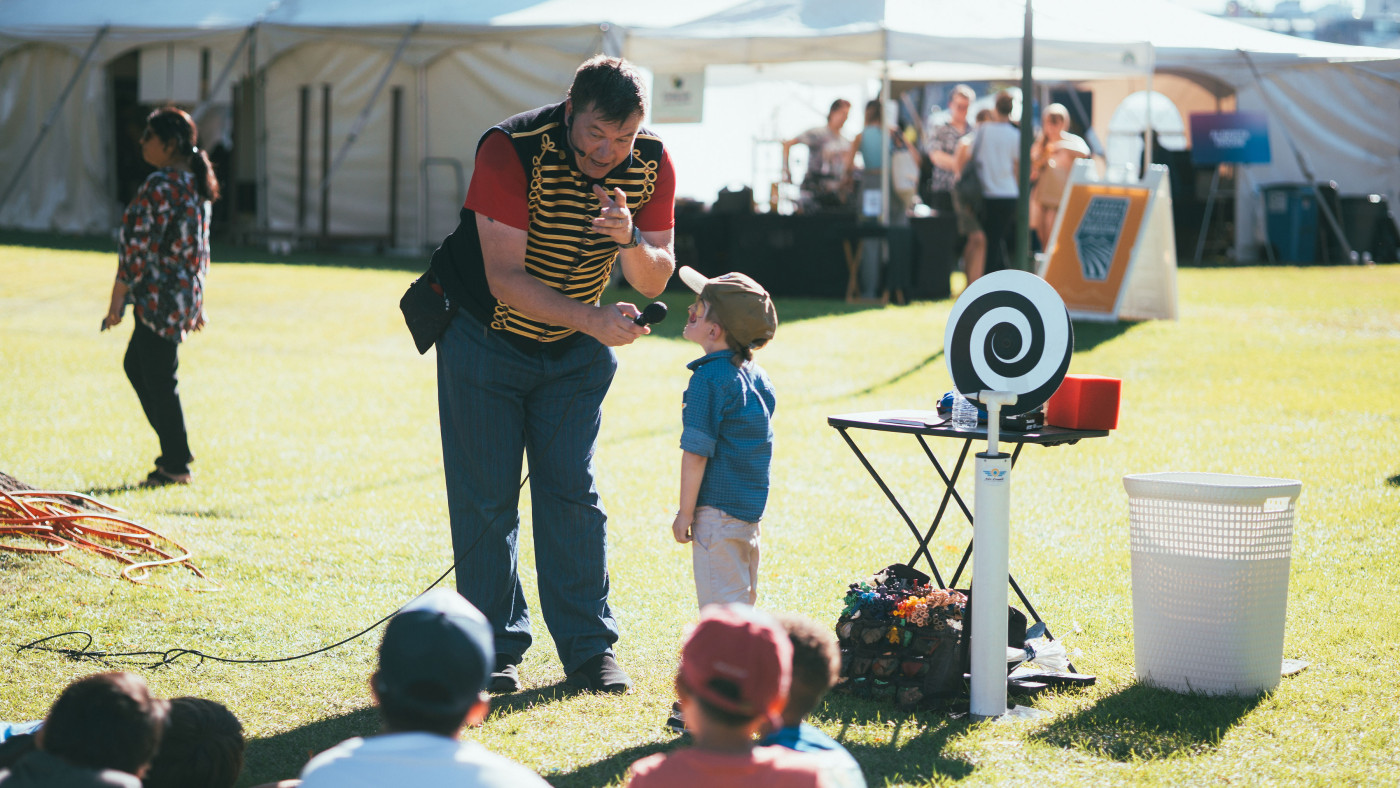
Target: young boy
(726,436)
(733,680)
(816,664)
(434,665)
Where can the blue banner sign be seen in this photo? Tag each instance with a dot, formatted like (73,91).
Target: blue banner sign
(1229,137)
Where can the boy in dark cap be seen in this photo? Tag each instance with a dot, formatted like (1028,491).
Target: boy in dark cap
(733,681)
(434,663)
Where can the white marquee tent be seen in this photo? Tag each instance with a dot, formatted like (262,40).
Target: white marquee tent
(452,69)
(456,69)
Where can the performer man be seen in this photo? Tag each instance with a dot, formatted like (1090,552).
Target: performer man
(559,195)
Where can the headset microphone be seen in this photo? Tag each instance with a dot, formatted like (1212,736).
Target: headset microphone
(654,313)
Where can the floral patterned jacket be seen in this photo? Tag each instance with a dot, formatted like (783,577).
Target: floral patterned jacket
(164,253)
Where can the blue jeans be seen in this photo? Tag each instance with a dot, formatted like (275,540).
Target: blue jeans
(496,405)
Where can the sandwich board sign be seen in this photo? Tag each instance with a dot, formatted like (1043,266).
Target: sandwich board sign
(1112,252)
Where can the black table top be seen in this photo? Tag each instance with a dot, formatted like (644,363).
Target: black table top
(928,422)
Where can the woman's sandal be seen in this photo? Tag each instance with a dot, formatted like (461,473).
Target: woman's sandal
(160,478)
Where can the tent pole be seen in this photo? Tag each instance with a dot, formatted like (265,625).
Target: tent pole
(1023,191)
(1147,133)
(259,87)
(1302,164)
(53,114)
(421,76)
(395,142)
(885,138)
(1090,136)
(198,113)
(303,160)
(325,158)
(364,113)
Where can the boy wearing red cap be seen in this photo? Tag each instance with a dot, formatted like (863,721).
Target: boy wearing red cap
(733,682)
(726,436)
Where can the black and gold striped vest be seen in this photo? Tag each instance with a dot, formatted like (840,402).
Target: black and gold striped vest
(563,251)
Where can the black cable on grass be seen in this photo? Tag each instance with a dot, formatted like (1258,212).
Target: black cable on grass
(169,656)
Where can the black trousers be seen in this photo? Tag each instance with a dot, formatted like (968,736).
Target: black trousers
(999,223)
(151,363)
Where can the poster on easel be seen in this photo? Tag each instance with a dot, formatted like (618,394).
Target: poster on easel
(1112,252)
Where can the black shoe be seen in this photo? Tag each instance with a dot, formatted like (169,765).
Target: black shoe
(505,679)
(676,721)
(600,673)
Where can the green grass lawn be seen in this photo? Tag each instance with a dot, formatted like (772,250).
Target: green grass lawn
(319,505)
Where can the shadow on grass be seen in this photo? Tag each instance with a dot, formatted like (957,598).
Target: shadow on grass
(1144,723)
(890,381)
(1089,335)
(918,741)
(60,241)
(225,253)
(1394,481)
(99,492)
(502,705)
(914,752)
(613,768)
(283,755)
(887,382)
(313,497)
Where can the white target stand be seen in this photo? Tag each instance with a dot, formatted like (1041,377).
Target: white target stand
(1008,344)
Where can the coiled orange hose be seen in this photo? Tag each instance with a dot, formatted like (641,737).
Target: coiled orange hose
(53,520)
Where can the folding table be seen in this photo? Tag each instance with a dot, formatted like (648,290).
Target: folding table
(922,424)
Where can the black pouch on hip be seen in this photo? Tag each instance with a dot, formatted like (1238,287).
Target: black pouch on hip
(427,310)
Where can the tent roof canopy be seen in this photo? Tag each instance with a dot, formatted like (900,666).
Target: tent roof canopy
(1072,37)
(441,24)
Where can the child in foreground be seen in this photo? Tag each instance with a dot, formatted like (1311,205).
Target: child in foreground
(726,436)
(733,681)
(816,664)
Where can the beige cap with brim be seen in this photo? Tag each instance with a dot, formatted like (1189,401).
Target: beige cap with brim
(739,304)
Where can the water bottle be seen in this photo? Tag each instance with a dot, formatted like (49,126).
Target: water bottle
(964,413)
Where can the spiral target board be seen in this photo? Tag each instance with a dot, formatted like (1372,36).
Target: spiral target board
(1009,331)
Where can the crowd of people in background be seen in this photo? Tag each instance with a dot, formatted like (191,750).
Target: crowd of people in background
(842,172)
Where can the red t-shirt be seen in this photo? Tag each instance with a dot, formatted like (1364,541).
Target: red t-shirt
(498,189)
(762,767)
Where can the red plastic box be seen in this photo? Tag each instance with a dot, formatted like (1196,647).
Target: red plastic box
(1085,402)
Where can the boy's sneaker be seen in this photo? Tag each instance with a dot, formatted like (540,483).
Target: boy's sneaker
(505,679)
(600,673)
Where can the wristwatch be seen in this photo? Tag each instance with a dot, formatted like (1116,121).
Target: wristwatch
(636,239)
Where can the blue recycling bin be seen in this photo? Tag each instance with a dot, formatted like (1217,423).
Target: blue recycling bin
(1290,218)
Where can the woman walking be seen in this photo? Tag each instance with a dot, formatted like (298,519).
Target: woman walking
(1052,157)
(163,259)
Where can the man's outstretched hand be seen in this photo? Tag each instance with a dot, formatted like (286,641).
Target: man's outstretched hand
(615,324)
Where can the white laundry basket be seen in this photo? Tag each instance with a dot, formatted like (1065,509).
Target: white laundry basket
(1210,579)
